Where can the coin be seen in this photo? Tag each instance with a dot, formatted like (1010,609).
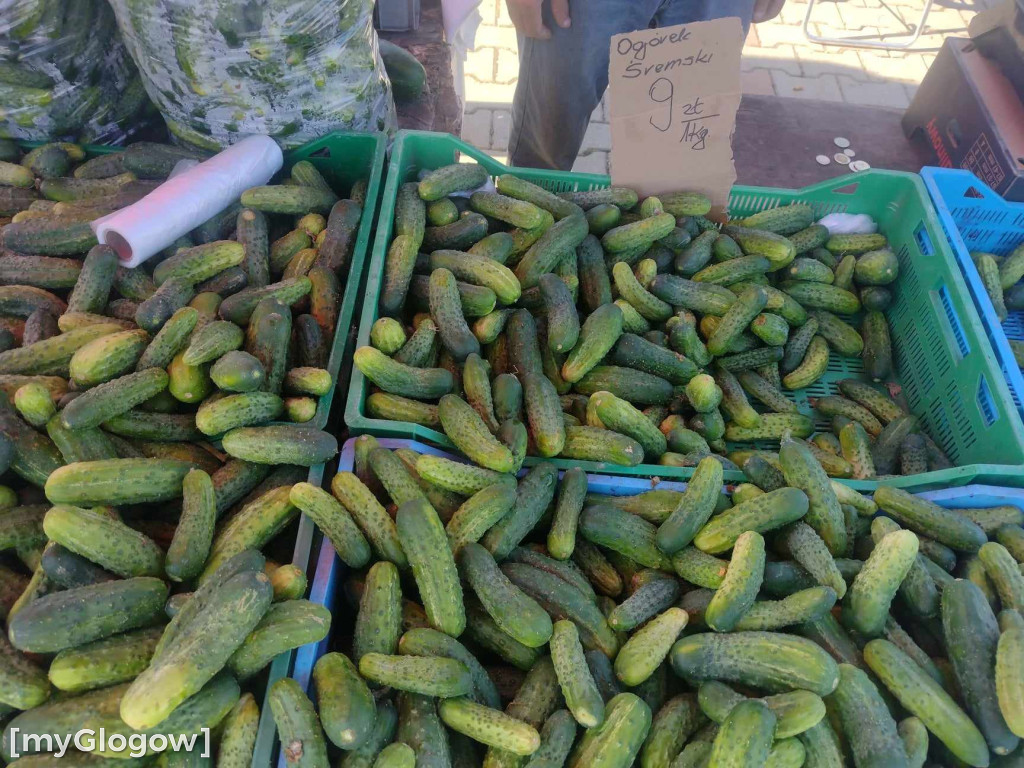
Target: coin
(840,158)
(840,142)
(849,153)
(823,159)
(859,165)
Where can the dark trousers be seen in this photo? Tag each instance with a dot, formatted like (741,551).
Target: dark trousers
(561,80)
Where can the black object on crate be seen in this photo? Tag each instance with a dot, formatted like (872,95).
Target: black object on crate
(970,115)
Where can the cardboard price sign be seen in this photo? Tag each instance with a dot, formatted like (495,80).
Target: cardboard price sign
(674,96)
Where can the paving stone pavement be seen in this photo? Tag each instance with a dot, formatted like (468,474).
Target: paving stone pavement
(777,59)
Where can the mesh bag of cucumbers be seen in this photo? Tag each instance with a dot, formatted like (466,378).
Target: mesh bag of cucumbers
(64,73)
(592,326)
(535,621)
(154,423)
(293,70)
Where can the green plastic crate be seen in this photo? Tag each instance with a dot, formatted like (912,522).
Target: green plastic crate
(948,372)
(343,159)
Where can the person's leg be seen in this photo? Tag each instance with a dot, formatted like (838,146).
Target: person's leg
(561,80)
(673,12)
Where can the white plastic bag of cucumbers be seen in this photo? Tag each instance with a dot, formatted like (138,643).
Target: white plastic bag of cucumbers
(65,74)
(292,70)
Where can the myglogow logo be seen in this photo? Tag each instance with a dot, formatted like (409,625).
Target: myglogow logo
(108,745)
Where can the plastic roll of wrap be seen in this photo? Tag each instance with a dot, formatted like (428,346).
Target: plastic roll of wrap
(188,199)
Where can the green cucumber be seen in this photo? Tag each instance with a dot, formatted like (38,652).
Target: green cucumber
(926,699)
(740,585)
(423,539)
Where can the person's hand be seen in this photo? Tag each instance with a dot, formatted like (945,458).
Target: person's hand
(764,10)
(526,15)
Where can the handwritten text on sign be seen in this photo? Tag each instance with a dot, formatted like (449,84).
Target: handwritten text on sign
(674,96)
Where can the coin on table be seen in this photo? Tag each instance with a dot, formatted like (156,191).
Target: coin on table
(859,165)
(840,142)
(849,153)
(823,159)
(840,158)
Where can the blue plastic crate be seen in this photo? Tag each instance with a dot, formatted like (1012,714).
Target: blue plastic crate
(330,571)
(977,219)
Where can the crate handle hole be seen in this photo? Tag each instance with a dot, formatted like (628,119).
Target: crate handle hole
(974,193)
(924,240)
(985,403)
(324,152)
(848,189)
(955,325)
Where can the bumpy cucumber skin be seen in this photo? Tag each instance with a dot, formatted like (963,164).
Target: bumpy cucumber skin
(574,677)
(346,706)
(926,699)
(741,584)
(598,335)
(803,471)
(616,743)
(745,737)
(423,539)
(694,508)
(427,675)
(948,527)
(302,739)
(73,617)
(512,610)
(971,633)
(766,660)
(648,647)
(870,729)
(875,586)
(761,514)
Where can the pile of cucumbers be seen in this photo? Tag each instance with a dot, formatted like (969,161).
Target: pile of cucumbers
(155,430)
(1001,276)
(789,621)
(590,325)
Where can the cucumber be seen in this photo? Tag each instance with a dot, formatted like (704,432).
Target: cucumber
(925,698)
(489,726)
(73,617)
(649,646)
(971,634)
(1010,692)
(740,585)
(470,434)
(802,470)
(117,481)
(423,539)
(615,529)
(302,738)
(458,177)
(535,491)
(199,650)
(104,540)
(427,675)
(875,586)
(763,513)
(24,684)
(561,538)
(870,729)
(574,677)
(371,517)
(516,613)
(430,642)
(600,331)
(334,521)
(946,526)
(745,737)
(617,741)
(556,738)
(101,663)
(1005,575)
(346,706)
(768,660)
(113,398)
(238,737)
